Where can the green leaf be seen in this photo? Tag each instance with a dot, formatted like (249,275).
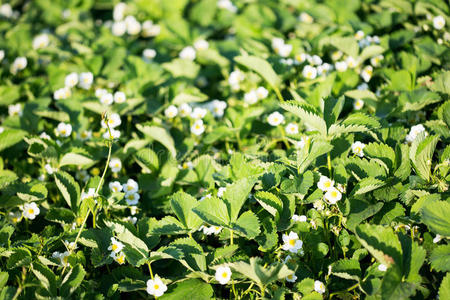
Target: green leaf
(381,242)
(307,114)
(369,52)
(7,177)
(440,258)
(235,196)
(19,257)
(347,269)
(269,202)
(10,137)
(182,68)
(147,159)
(366,185)
(60,215)
(213,211)
(159,134)
(258,273)
(361,210)
(9,94)
(77,159)
(348,45)
(444,290)
(182,205)
(260,66)
(130,285)
(168,225)
(72,280)
(193,255)
(381,152)
(189,98)
(299,184)
(248,225)
(442,83)
(435,216)
(421,155)
(46,277)
(69,189)
(60,116)
(393,288)
(3,279)
(189,289)
(332,109)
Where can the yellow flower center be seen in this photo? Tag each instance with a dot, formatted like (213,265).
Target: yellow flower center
(357,149)
(334,194)
(156,287)
(63,131)
(131,197)
(309,74)
(31,211)
(224,275)
(121,259)
(292,242)
(114,247)
(327,184)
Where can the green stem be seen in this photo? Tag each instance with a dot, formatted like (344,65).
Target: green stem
(150,269)
(231,236)
(277,91)
(329,163)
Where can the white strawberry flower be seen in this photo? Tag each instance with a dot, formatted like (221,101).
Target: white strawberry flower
(149,29)
(341,66)
(291,128)
(15,109)
(291,278)
(171,112)
(437,238)
(220,191)
(113,121)
(131,186)
(297,218)
(358,104)
(382,267)
(62,93)
(319,287)
(118,257)
(100,92)
(6,10)
(336,55)
(106,99)
(351,62)
(115,186)
(275,119)
(48,168)
(115,164)
(85,80)
(115,246)
(119,28)
(315,60)
(30,210)
(438,22)
(414,132)
(149,54)
(115,134)
(198,128)
(185,110)
(227,4)
(251,97)
(357,148)
(262,92)
(306,18)
(218,108)
(90,194)
(223,275)
(201,45)
(359,35)
(325,183)
(366,73)
(198,113)
(133,26)
(300,58)
(303,141)
(188,53)
(376,60)
(19,64)
(41,41)
(2,55)
(309,72)
(119,11)
(333,195)
(291,242)
(63,129)
(156,287)
(132,198)
(71,80)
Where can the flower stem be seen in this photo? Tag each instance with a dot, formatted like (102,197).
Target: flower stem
(231,236)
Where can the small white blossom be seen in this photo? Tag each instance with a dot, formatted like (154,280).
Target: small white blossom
(62,93)
(218,108)
(185,110)
(414,132)
(292,242)
(132,198)
(30,210)
(319,287)
(115,164)
(262,92)
(325,183)
(201,45)
(188,53)
(131,186)
(15,109)
(341,66)
(64,129)
(358,104)
(291,278)
(297,218)
(113,121)
(41,41)
(198,113)
(438,22)
(107,99)
(149,54)
(71,80)
(171,112)
(275,119)
(115,187)
(251,97)
(198,128)
(115,246)
(306,18)
(119,28)
(357,148)
(90,194)
(228,5)
(156,287)
(85,80)
(376,60)
(223,275)
(149,29)
(437,239)
(19,64)
(48,168)
(366,73)
(133,26)
(333,195)
(119,11)
(309,72)
(291,128)
(220,191)
(118,257)
(382,268)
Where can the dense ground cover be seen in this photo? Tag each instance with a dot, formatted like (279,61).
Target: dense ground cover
(217,149)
